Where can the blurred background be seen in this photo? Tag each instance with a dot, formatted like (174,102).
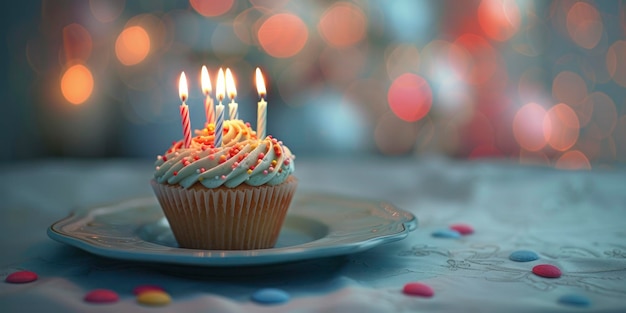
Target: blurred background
(539,82)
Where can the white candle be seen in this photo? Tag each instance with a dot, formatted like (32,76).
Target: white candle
(232,93)
(262,105)
(219,108)
(208,101)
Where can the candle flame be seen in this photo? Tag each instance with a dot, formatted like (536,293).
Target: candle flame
(205,80)
(219,86)
(230,85)
(182,87)
(260,83)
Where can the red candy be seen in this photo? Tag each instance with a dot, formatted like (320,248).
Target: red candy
(21,277)
(418,289)
(463,229)
(143,288)
(547,270)
(102,296)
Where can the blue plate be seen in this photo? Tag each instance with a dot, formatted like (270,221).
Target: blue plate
(317,225)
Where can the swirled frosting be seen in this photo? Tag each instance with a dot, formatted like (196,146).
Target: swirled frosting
(242,159)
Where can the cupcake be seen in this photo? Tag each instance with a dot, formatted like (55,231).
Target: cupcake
(232,197)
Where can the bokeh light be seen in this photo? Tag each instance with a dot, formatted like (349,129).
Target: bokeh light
(402,59)
(410,97)
(584,25)
(211,8)
(561,127)
(499,19)
(568,87)
(343,25)
(77,43)
(283,35)
(77,84)
(616,62)
(484,61)
(573,160)
(604,116)
(106,11)
(132,45)
(529,126)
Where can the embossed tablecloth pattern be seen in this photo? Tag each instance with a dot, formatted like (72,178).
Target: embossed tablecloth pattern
(574,220)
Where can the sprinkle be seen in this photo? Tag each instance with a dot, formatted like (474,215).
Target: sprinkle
(418,289)
(154,298)
(164,158)
(523,256)
(463,229)
(446,233)
(211,157)
(274,162)
(175,173)
(265,172)
(270,296)
(249,172)
(261,155)
(223,177)
(196,158)
(547,270)
(159,157)
(21,277)
(200,178)
(143,288)
(158,168)
(235,164)
(202,170)
(574,300)
(222,159)
(286,162)
(102,296)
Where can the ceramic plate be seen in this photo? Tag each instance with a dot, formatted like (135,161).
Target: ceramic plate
(317,225)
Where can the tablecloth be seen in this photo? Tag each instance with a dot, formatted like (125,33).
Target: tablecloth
(575,220)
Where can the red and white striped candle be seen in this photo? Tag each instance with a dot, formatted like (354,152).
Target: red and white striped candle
(184,109)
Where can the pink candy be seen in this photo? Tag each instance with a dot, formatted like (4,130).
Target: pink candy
(21,277)
(418,289)
(547,270)
(463,229)
(102,296)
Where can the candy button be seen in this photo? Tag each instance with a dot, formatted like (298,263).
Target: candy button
(463,229)
(446,233)
(21,277)
(154,298)
(270,296)
(102,296)
(574,300)
(547,270)
(143,288)
(523,256)
(418,289)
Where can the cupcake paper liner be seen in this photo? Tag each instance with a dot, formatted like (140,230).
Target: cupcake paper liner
(240,218)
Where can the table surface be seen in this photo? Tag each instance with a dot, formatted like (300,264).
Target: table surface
(575,220)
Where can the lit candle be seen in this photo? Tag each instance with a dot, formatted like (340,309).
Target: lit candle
(208,101)
(184,109)
(232,93)
(219,108)
(262,105)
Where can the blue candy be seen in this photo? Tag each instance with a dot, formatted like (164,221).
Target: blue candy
(270,296)
(523,256)
(446,233)
(574,300)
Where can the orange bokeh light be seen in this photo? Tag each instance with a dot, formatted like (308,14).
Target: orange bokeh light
(343,25)
(584,25)
(573,160)
(529,125)
(77,42)
(616,62)
(410,97)
(283,35)
(499,19)
(211,8)
(561,127)
(132,45)
(77,84)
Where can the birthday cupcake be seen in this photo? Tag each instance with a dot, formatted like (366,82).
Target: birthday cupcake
(233,195)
